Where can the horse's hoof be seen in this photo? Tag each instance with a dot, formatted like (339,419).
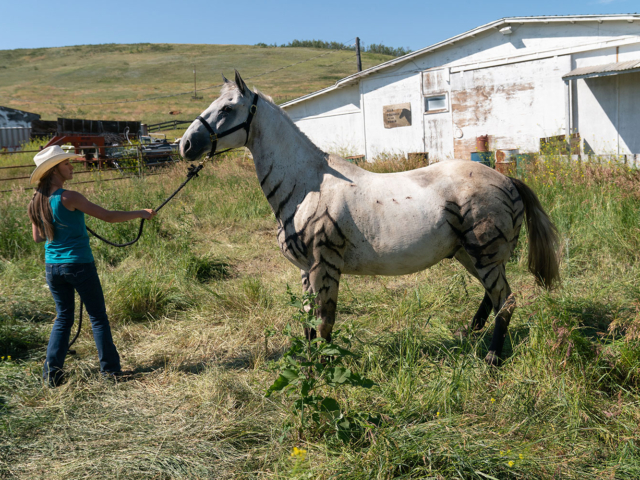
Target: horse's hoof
(461,334)
(478,327)
(492,359)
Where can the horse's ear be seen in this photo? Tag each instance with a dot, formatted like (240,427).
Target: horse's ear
(240,83)
(224,79)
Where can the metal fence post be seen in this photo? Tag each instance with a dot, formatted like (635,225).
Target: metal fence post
(139,152)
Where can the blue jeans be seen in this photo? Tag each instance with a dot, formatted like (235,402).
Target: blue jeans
(63,280)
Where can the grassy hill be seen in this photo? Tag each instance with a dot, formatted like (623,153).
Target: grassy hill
(107,73)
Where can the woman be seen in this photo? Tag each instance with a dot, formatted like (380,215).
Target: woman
(57,216)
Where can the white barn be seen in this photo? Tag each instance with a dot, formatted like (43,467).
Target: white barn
(516,79)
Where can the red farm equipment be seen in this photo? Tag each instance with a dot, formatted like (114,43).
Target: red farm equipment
(108,144)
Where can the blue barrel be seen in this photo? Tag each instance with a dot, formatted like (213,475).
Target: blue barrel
(485,158)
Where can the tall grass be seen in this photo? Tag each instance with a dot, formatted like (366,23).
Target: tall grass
(195,305)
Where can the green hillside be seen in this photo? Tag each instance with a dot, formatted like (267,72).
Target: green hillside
(107,73)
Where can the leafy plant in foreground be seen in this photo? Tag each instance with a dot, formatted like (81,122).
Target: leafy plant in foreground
(311,372)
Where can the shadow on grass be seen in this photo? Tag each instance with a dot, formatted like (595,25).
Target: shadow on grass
(594,318)
(480,341)
(19,338)
(31,312)
(412,343)
(591,318)
(244,360)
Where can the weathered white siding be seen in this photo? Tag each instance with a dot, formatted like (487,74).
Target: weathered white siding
(438,126)
(516,104)
(396,88)
(507,86)
(333,122)
(606,110)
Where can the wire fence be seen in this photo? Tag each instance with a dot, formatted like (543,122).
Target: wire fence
(173,124)
(128,162)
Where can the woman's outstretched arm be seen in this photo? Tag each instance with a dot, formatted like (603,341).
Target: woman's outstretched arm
(76,201)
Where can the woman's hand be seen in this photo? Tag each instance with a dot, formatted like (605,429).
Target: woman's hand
(76,201)
(148,213)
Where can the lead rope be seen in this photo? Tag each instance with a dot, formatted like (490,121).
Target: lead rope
(191,173)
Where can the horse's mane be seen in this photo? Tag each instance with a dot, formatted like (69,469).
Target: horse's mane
(232,86)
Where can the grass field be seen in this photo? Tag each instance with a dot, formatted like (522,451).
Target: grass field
(193,304)
(108,73)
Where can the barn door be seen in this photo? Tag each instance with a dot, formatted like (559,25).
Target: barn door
(438,137)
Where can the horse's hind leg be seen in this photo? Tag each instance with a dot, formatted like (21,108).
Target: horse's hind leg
(495,283)
(497,295)
(480,318)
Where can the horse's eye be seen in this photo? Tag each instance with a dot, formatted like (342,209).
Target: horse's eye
(226,109)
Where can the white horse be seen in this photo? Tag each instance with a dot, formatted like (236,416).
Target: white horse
(334,217)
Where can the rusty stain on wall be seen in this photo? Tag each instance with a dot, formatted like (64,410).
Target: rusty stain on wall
(474,106)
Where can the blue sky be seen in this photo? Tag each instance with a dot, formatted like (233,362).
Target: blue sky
(413,24)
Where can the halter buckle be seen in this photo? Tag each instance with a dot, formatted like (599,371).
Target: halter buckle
(253,109)
(213,137)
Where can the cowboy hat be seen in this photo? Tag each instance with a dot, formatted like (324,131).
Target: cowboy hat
(46,159)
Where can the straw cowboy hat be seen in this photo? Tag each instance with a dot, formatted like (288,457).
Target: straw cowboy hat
(46,159)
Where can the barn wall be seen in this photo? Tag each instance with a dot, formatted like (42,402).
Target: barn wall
(528,39)
(507,86)
(332,121)
(381,91)
(341,134)
(438,126)
(606,110)
(515,104)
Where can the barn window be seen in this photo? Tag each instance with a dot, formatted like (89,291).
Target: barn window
(436,103)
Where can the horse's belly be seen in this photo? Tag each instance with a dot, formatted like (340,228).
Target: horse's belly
(401,255)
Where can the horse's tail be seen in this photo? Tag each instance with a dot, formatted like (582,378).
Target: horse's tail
(543,238)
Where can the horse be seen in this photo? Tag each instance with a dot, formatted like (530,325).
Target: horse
(335,218)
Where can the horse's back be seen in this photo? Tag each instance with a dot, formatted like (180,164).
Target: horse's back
(407,221)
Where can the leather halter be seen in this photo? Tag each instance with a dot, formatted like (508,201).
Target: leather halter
(213,136)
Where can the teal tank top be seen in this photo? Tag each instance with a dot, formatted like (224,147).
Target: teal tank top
(70,242)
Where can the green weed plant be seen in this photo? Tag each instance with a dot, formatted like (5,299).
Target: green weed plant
(312,373)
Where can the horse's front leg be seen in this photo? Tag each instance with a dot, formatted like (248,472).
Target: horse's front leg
(310,333)
(323,279)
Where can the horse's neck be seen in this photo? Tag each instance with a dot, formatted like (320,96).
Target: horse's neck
(287,163)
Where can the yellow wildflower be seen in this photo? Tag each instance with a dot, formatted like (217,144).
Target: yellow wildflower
(521,457)
(299,453)
(510,463)
(437,414)
(493,400)
(9,357)
(501,453)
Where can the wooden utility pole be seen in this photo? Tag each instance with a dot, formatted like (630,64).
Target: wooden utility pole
(358,59)
(195,89)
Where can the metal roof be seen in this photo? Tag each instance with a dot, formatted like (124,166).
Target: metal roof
(351,79)
(603,70)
